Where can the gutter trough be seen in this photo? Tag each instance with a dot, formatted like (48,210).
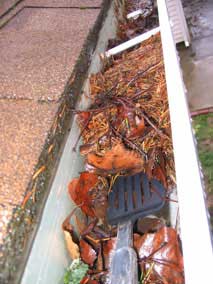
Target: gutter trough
(48,258)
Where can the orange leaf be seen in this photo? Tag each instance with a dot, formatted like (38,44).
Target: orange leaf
(138,129)
(72,247)
(80,191)
(107,249)
(161,248)
(83,117)
(88,254)
(87,280)
(116,160)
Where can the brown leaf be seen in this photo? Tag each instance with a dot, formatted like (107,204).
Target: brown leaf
(83,117)
(149,224)
(155,167)
(70,236)
(79,189)
(81,224)
(116,160)
(107,249)
(161,248)
(87,148)
(100,261)
(138,129)
(72,247)
(88,254)
(87,280)
(99,198)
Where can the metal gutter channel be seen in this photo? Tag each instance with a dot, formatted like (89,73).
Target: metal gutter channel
(49,258)
(194,222)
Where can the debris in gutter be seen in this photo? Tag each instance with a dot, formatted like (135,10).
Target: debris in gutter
(127,130)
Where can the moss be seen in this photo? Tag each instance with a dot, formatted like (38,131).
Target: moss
(76,272)
(203,126)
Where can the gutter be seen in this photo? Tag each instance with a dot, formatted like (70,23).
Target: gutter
(194,219)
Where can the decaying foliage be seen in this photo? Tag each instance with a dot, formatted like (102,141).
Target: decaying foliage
(129,117)
(125,130)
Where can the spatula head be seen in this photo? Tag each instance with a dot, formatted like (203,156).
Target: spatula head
(133,197)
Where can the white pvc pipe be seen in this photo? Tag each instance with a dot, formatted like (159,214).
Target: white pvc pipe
(131,42)
(195,233)
(134,14)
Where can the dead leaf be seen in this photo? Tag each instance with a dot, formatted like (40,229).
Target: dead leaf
(81,223)
(87,148)
(90,194)
(88,254)
(163,250)
(156,167)
(100,261)
(107,249)
(149,224)
(72,247)
(138,129)
(116,160)
(87,280)
(79,189)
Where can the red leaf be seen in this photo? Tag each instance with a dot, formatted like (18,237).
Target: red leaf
(138,129)
(80,189)
(116,160)
(87,280)
(161,248)
(107,249)
(88,254)
(83,117)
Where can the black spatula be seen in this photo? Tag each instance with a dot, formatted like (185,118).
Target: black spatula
(131,197)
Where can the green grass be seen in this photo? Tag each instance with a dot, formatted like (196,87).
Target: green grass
(203,126)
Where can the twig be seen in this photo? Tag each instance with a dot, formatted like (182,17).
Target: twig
(81,133)
(161,134)
(130,143)
(140,73)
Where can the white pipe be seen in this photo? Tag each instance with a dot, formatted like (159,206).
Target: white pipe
(195,233)
(131,42)
(134,14)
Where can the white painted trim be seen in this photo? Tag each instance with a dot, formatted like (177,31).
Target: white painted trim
(134,14)
(195,233)
(131,42)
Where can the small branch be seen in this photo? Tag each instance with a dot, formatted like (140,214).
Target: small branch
(161,134)
(81,133)
(130,143)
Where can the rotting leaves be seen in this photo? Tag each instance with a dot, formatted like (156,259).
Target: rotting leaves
(161,253)
(127,130)
(85,192)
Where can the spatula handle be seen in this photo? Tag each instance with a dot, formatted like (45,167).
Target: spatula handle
(124,259)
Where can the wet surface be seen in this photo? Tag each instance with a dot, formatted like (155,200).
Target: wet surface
(199,16)
(35,118)
(42,50)
(24,129)
(38,51)
(197,60)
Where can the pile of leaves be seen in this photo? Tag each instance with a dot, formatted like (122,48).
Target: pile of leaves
(125,130)
(127,127)
(159,256)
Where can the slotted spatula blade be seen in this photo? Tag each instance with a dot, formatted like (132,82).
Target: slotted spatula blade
(131,197)
(134,196)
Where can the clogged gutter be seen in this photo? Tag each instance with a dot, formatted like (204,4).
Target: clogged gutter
(125,130)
